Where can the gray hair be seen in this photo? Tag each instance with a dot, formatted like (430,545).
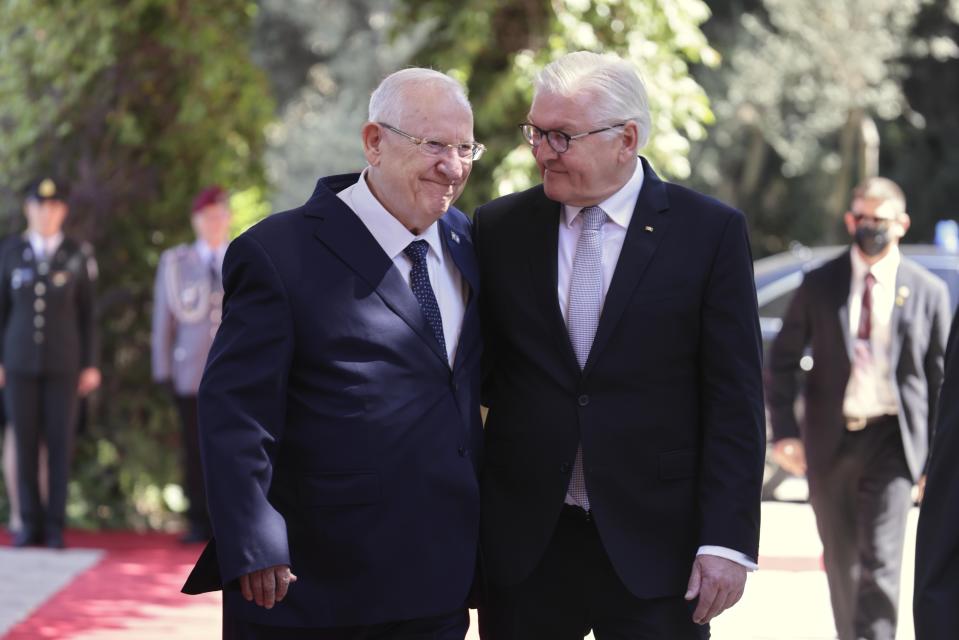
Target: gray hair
(616,84)
(885,191)
(388,100)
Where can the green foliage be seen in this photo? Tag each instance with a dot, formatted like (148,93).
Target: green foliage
(496,48)
(138,104)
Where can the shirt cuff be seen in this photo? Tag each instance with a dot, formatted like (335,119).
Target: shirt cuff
(729,554)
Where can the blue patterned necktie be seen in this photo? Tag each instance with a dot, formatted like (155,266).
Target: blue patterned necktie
(582,316)
(420,283)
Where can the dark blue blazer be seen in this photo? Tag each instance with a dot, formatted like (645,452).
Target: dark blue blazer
(335,437)
(669,408)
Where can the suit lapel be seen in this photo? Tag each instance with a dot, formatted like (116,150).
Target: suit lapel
(901,298)
(647,227)
(460,248)
(344,235)
(841,302)
(543,236)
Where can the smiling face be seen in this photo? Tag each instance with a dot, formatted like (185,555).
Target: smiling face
(595,166)
(45,217)
(417,188)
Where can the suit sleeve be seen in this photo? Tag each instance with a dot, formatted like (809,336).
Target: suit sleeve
(161,334)
(86,312)
(242,409)
(935,354)
(782,371)
(732,399)
(487,323)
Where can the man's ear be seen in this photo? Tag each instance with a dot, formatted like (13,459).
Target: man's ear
(372,136)
(630,140)
(850,221)
(904,221)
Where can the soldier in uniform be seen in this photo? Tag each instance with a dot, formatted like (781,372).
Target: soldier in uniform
(187,302)
(47,353)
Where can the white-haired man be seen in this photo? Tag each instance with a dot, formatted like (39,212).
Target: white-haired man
(625,435)
(339,408)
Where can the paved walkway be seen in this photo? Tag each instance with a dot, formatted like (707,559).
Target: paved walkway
(131,592)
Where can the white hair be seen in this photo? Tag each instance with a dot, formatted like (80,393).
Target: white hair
(389,98)
(619,90)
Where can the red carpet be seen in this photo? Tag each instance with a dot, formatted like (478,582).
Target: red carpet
(133,592)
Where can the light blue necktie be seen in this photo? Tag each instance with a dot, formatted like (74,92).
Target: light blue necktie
(582,318)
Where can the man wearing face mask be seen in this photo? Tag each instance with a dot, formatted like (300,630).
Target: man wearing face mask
(876,324)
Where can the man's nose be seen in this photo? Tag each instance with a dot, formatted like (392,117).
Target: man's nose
(542,151)
(451,165)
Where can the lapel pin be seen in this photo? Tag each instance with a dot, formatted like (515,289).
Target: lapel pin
(900,301)
(649,229)
(903,291)
(455,237)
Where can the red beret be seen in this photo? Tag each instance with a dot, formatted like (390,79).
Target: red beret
(210,195)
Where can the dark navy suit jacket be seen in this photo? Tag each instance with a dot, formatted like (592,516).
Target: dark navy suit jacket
(335,436)
(669,408)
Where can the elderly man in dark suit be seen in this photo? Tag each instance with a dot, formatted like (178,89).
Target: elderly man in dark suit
(625,432)
(339,409)
(936,595)
(876,324)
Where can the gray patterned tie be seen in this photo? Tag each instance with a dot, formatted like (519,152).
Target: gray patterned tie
(582,317)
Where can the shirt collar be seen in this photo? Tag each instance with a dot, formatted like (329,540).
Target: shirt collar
(208,253)
(619,206)
(45,244)
(884,270)
(388,232)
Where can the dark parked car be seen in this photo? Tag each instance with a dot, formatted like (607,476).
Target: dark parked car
(778,276)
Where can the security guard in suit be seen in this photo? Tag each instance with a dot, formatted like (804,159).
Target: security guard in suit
(187,303)
(47,352)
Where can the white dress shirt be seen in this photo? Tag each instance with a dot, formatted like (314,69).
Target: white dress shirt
(44,247)
(869,392)
(619,209)
(209,255)
(448,285)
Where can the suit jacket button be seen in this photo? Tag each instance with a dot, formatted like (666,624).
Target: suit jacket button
(563,468)
(583,400)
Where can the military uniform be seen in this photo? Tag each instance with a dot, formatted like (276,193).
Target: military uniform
(47,336)
(187,303)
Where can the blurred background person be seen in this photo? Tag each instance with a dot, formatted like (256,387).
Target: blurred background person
(187,304)
(47,353)
(877,324)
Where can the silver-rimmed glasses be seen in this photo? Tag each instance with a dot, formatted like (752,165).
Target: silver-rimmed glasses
(557,140)
(464,150)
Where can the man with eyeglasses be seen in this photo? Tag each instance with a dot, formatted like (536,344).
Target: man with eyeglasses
(339,409)
(625,434)
(876,324)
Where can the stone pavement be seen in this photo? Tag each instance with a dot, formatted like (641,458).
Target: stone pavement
(786,599)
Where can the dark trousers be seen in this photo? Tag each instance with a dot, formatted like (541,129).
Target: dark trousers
(452,626)
(861,503)
(197,513)
(575,589)
(42,409)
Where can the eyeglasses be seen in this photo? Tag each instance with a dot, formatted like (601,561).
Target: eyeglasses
(464,150)
(558,140)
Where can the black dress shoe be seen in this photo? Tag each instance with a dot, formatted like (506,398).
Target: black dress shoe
(24,538)
(54,540)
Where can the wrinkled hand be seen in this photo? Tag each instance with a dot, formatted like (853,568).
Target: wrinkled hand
(267,586)
(921,488)
(790,454)
(718,582)
(89,381)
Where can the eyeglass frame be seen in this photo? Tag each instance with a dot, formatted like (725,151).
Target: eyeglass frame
(476,149)
(872,221)
(545,134)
